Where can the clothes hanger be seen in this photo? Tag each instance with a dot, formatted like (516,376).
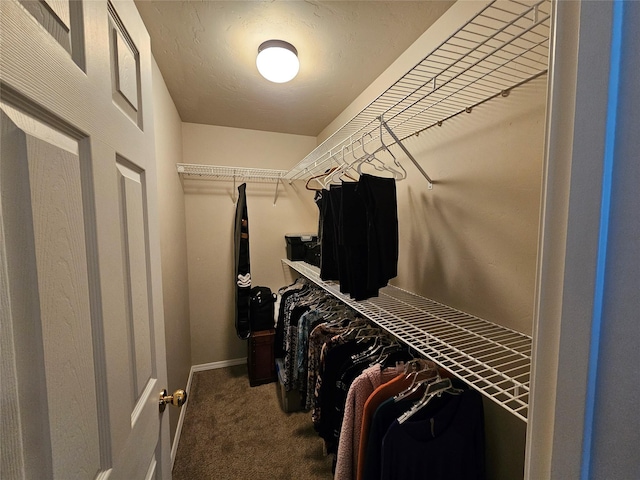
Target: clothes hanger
(420,378)
(418,365)
(367,332)
(316,177)
(310,296)
(329,178)
(386,351)
(398,174)
(396,358)
(299,282)
(378,349)
(327,315)
(353,326)
(369,158)
(379,343)
(356,159)
(328,305)
(339,314)
(433,389)
(340,174)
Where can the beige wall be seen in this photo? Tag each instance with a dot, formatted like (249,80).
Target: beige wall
(173,244)
(437,33)
(471,242)
(210,214)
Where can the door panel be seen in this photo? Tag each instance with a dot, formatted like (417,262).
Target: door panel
(63,288)
(64,23)
(58,365)
(132,202)
(82,327)
(125,68)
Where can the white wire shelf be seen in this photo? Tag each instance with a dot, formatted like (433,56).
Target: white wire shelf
(217,172)
(503,46)
(493,359)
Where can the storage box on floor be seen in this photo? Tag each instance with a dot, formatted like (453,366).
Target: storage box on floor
(260,357)
(303,247)
(290,401)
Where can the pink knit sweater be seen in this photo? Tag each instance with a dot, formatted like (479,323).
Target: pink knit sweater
(360,389)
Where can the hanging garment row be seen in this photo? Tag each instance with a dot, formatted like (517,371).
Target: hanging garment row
(358,221)
(303,309)
(358,234)
(379,410)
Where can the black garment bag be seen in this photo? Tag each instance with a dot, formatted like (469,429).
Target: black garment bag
(242,277)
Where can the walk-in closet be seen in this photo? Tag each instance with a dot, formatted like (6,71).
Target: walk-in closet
(506,134)
(469,124)
(466,125)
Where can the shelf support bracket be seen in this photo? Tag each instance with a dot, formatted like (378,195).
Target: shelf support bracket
(407,153)
(275,195)
(233,192)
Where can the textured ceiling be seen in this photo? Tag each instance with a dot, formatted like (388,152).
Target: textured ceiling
(206,51)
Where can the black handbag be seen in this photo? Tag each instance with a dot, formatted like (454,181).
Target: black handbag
(261,309)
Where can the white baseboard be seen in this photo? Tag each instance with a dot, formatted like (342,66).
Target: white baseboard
(198,368)
(214,365)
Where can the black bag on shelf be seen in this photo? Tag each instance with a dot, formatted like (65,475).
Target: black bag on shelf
(261,309)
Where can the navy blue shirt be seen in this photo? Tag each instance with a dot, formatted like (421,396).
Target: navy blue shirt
(438,445)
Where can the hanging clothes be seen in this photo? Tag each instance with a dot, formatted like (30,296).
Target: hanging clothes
(306,324)
(242,277)
(359,239)
(282,311)
(379,197)
(318,338)
(359,391)
(292,310)
(343,364)
(384,392)
(442,442)
(348,371)
(353,238)
(329,255)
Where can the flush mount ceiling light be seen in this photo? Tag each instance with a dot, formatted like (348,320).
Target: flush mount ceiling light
(277,61)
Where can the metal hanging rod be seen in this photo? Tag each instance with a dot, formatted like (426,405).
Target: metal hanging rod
(503,46)
(493,359)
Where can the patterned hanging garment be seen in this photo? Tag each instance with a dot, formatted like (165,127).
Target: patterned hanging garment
(242,271)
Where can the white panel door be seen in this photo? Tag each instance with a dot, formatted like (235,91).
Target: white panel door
(81,332)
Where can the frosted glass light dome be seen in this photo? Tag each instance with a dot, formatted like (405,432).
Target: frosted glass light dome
(277,61)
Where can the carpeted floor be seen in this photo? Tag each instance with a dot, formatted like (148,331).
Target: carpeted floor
(232,431)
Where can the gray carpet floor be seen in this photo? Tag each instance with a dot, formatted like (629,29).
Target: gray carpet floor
(234,431)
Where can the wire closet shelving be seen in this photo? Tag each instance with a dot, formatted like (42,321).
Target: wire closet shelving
(503,46)
(235,174)
(493,359)
(230,173)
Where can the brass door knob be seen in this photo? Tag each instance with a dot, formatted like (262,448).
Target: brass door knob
(178,398)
